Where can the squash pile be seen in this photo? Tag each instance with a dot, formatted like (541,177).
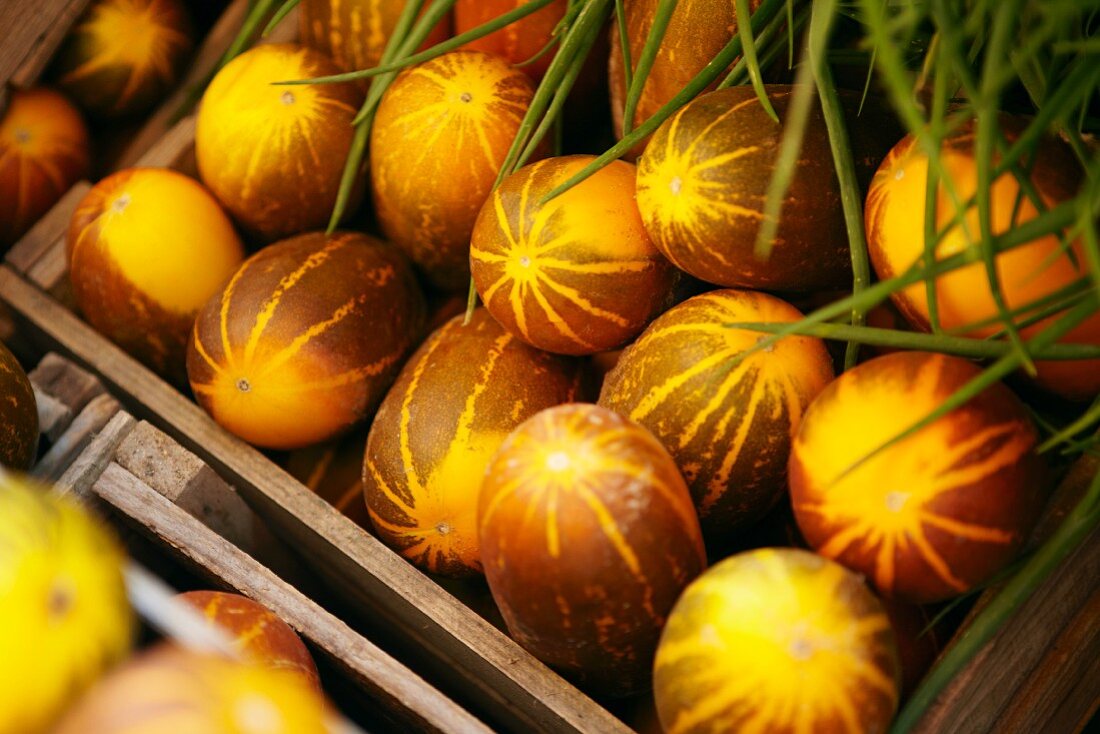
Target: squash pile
(614,417)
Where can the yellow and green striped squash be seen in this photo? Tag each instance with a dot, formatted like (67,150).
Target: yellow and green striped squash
(777,640)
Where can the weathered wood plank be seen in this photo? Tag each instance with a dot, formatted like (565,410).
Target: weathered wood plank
(376,672)
(46,231)
(76,438)
(32,32)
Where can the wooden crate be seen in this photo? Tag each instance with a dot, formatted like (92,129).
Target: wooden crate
(163,492)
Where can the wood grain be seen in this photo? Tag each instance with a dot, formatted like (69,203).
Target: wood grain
(519,692)
(32,32)
(397,687)
(1038,672)
(46,231)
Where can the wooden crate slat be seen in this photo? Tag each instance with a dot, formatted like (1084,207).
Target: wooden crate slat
(519,688)
(90,421)
(401,689)
(46,231)
(82,473)
(32,32)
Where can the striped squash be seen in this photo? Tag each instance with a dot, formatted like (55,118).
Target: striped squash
(123,56)
(516,42)
(43,151)
(437,143)
(145,299)
(274,155)
(354,32)
(18,415)
(936,514)
(729,428)
(776,640)
(303,341)
(895,218)
(64,615)
(576,275)
(170,690)
(703,181)
(457,398)
(588,536)
(696,33)
(259,636)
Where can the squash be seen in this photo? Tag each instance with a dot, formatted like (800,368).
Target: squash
(777,640)
(44,150)
(457,398)
(306,337)
(518,42)
(274,155)
(936,514)
(147,248)
(588,536)
(18,415)
(577,274)
(438,141)
(728,424)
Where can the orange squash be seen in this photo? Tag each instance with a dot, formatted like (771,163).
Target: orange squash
(450,409)
(437,143)
(18,415)
(588,536)
(730,430)
(776,640)
(895,236)
(274,155)
(516,42)
(148,247)
(259,636)
(696,32)
(305,338)
(123,56)
(577,275)
(168,690)
(43,152)
(936,514)
(354,32)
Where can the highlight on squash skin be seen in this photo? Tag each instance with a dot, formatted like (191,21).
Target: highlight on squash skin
(438,141)
(776,640)
(577,275)
(44,150)
(936,514)
(729,429)
(895,231)
(145,298)
(123,55)
(274,155)
(450,409)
